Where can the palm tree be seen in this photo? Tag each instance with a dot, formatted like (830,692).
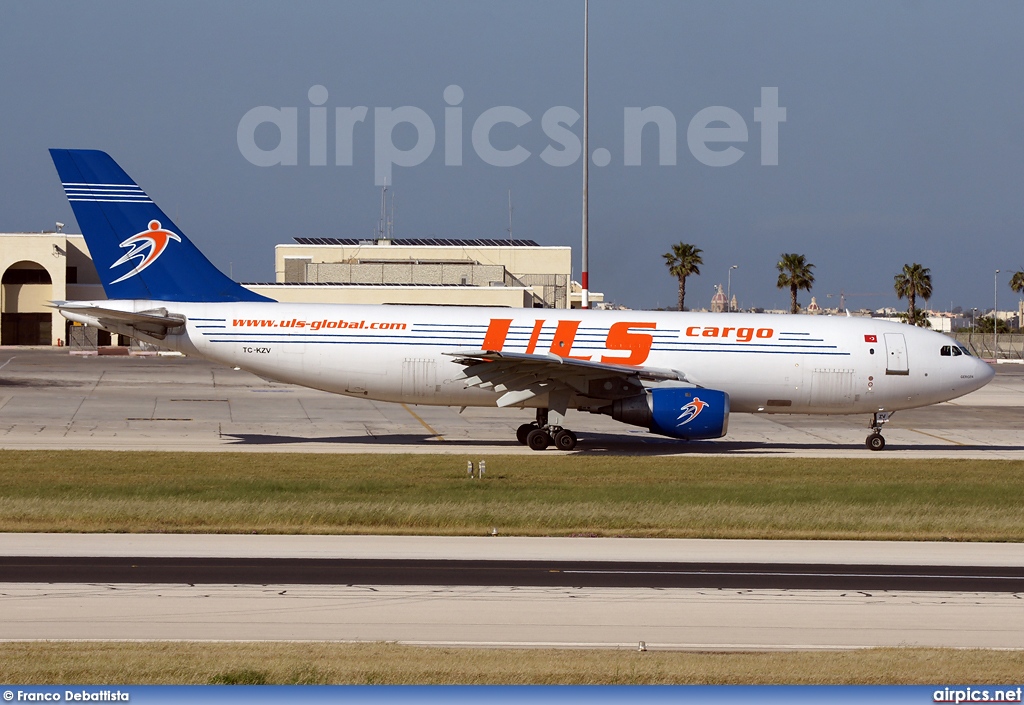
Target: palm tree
(922,320)
(794,272)
(1017,281)
(983,324)
(683,261)
(912,282)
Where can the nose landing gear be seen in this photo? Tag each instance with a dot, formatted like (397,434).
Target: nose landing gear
(875,440)
(540,434)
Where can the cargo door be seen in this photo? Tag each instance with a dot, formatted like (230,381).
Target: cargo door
(832,388)
(896,354)
(419,377)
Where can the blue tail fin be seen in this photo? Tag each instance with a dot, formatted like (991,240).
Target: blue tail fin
(139,253)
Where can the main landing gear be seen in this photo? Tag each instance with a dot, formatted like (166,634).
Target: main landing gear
(875,440)
(540,434)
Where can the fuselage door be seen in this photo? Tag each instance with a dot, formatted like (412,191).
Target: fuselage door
(419,377)
(896,354)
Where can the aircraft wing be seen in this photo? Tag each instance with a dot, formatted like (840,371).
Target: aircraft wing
(155,322)
(522,376)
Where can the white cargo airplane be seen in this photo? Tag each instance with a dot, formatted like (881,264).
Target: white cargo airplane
(677,374)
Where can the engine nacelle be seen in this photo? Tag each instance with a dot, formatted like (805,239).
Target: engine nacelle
(679,412)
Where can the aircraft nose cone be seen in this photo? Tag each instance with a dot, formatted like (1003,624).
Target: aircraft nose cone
(985,372)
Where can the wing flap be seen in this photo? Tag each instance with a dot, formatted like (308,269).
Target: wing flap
(521,376)
(474,357)
(521,395)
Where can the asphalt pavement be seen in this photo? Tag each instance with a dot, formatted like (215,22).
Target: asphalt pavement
(50,399)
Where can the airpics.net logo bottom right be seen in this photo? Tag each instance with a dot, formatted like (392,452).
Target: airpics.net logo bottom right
(712,134)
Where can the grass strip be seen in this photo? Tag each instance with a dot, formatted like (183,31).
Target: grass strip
(255,663)
(542,494)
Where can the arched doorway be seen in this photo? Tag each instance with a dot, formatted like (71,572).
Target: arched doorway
(25,288)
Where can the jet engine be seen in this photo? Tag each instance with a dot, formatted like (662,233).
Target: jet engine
(678,412)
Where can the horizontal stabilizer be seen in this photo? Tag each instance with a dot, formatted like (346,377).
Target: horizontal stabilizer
(154,322)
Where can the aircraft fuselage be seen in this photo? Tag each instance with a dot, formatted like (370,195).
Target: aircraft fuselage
(766,363)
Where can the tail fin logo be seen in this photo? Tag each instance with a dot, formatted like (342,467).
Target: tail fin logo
(691,411)
(146,246)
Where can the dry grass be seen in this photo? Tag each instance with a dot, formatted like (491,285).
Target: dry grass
(68,663)
(521,495)
(900,520)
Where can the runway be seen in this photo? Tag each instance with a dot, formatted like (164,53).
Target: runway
(569,611)
(580,574)
(49,399)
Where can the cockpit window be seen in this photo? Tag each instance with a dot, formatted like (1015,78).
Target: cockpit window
(964,350)
(946,350)
(956,351)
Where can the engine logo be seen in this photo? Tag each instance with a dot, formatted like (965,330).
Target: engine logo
(690,411)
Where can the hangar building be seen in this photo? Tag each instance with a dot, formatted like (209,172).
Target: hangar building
(439,271)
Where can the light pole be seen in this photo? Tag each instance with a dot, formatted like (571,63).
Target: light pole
(995,316)
(728,296)
(974,327)
(585,252)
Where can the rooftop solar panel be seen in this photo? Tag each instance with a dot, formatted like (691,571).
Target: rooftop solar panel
(418,241)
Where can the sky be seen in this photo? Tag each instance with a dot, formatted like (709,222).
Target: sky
(902,140)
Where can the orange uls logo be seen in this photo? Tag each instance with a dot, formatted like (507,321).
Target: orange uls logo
(620,338)
(155,238)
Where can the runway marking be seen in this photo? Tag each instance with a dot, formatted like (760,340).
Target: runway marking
(826,439)
(627,645)
(931,435)
(8,361)
(152,418)
(712,573)
(425,425)
(304,411)
(78,408)
(624,645)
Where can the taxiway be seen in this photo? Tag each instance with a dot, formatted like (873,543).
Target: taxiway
(49,399)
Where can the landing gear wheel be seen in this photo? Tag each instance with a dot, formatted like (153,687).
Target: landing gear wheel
(523,431)
(878,419)
(538,439)
(565,439)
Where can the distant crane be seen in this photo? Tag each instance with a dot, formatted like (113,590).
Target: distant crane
(509,216)
(843,295)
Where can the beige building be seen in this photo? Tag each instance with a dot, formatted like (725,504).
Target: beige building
(517,273)
(595,299)
(36,268)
